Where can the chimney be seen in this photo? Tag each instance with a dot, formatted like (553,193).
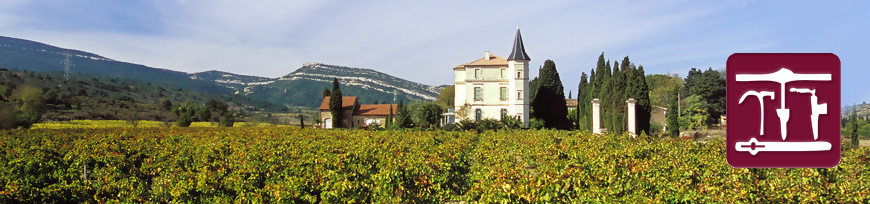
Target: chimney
(486,55)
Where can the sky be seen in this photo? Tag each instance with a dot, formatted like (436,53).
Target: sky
(423,40)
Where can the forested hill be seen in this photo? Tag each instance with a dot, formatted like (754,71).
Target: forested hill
(93,97)
(20,54)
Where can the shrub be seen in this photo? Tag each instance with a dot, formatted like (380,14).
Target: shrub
(535,123)
(488,124)
(450,127)
(466,125)
(511,122)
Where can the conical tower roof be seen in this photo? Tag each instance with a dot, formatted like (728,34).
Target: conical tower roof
(519,52)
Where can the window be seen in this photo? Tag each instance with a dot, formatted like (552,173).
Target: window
(503,113)
(504,94)
(520,95)
(519,75)
(477,73)
(478,94)
(504,73)
(520,118)
(477,115)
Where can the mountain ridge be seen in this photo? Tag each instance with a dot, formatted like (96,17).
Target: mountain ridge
(301,87)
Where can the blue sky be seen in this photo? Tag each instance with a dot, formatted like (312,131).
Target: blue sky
(422,41)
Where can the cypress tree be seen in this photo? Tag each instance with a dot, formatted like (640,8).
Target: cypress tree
(403,118)
(606,97)
(389,117)
(673,114)
(326,92)
(644,104)
(593,93)
(335,104)
(632,91)
(854,127)
(582,95)
(617,107)
(549,101)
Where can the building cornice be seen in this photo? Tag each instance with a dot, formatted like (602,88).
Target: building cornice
(485,80)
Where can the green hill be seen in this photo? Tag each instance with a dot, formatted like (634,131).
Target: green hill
(93,97)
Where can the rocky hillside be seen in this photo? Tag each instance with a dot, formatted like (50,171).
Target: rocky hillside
(236,82)
(304,87)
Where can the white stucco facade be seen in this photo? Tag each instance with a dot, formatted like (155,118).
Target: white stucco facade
(493,86)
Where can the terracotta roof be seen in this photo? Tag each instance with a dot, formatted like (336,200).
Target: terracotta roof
(519,51)
(376,109)
(571,102)
(494,60)
(346,102)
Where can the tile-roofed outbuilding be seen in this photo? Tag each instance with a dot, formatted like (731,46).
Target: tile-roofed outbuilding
(346,102)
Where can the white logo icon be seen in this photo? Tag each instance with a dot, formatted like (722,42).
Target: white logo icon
(783,76)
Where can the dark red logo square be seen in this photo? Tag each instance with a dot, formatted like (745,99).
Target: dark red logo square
(783,110)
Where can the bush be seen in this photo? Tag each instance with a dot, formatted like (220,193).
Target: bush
(374,126)
(450,127)
(488,124)
(466,125)
(226,120)
(535,123)
(655,128)
(184,120)
(511,122)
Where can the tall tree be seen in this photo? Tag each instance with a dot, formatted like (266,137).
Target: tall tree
(660,86)
(335,101)
(673,114)
(582,95)
(389,120)
(709,85)
(617,98)
(427,115)
(854,127)
(593,94)
(644,104)
(445,97)
(605,94)
(549,101)
(403,118)
(326,92)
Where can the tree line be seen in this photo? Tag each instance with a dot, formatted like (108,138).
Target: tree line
(694,102)
(611,85)
(421,115)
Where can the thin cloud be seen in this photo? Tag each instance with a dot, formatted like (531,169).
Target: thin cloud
(416,40)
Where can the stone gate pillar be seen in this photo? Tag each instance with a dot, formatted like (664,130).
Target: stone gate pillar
(632,127)
(596,116)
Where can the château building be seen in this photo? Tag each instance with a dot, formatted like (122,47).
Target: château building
(494,87)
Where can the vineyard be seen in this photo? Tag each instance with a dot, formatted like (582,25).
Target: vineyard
(291,165)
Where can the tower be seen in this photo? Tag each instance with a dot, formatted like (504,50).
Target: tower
(518,83)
